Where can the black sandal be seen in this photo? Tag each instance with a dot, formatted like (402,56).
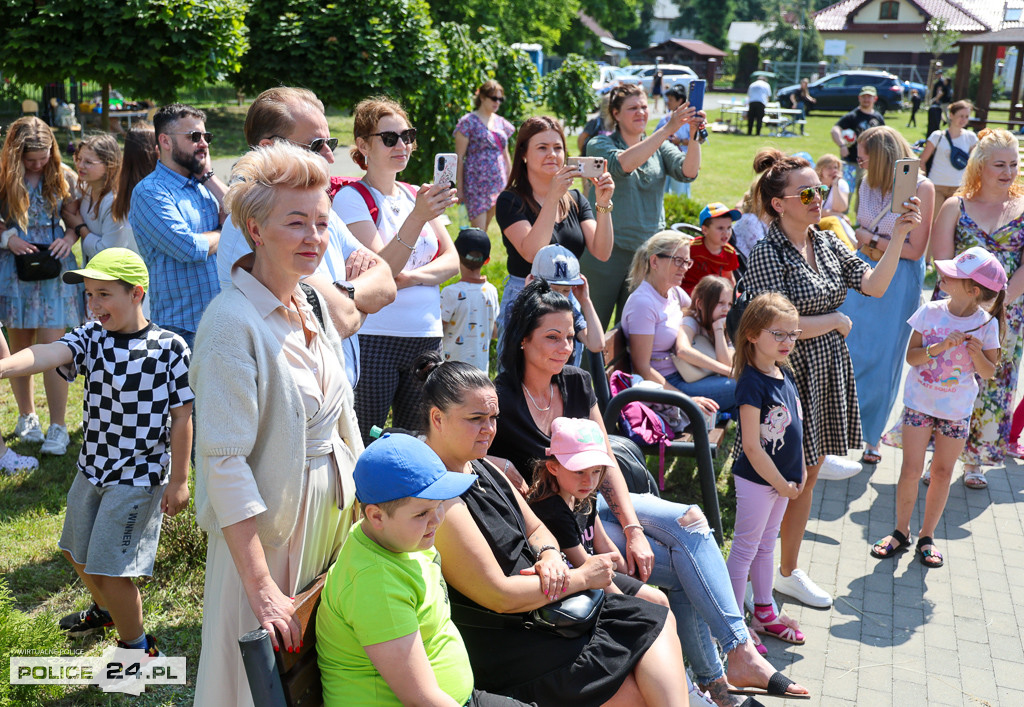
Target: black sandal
(778,685)
(929,557)
(888,550)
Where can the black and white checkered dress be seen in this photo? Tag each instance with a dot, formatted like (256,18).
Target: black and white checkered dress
(822,367)
(131,383)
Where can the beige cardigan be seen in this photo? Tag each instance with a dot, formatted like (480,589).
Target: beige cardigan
(248,404)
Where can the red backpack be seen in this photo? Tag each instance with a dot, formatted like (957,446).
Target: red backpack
(339,183)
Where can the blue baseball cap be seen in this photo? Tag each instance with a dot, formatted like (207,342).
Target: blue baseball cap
(716,209)
(401,466)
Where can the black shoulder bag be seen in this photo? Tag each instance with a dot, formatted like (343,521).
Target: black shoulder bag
(39,265)
(741,297)
(957,157)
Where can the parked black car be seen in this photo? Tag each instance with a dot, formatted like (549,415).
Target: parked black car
(839,91)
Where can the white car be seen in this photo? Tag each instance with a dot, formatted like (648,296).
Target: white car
(671,75)
(611,76)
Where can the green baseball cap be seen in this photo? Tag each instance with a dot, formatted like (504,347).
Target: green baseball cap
(869,90)
(112,264)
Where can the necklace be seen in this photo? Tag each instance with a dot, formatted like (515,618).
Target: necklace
(551,397)
(392,202)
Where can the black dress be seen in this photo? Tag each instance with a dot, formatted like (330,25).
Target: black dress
(534,665)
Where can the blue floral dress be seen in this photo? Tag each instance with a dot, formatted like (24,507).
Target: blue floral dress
(990,422)
(48,304)
(483,174)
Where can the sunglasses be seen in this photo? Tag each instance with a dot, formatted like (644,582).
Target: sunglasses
(781,336)
(195,136)
(678,261)
(807,194)
(390,137)
(497,99)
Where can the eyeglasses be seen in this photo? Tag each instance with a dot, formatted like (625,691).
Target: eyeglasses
(317,145)
(781,336)
(390,137)
(497,99)
(677,260)
(807,194)
(195,136)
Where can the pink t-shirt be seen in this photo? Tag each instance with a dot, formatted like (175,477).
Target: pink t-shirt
(647,312)
(945,387)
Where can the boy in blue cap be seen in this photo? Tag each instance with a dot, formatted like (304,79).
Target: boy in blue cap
(384,629)
(711,252)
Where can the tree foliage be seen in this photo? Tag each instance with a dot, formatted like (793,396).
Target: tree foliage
(345,52)
(781,40)
(145,47)
(709,20)
(747,60)
(568,90)
(538,21)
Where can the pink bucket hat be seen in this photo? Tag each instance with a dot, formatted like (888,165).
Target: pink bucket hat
(577,443)
(975,264)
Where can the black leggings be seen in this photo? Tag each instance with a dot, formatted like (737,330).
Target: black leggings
(755,113)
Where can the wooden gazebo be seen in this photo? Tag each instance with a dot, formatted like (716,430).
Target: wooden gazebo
(990,43)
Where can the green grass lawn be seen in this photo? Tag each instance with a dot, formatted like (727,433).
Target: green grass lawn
(32,507)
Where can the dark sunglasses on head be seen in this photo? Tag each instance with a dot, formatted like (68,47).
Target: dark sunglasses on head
(390,137)
(497,99)
(194,135)
(807,194)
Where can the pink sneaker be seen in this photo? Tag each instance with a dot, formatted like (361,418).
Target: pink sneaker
(1015,450)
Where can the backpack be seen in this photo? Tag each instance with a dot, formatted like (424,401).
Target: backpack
(641,424)
(339,183)
(633,464)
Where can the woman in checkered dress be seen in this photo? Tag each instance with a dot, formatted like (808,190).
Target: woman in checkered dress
(813,269)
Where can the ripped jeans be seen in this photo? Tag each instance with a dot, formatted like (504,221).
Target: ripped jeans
(689,567)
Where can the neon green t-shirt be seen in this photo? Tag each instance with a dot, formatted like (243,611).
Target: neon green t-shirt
(371,596)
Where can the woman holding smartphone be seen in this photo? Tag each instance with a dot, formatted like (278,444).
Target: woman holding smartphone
(880,333)
(408,231)
(639,165)
(540,207)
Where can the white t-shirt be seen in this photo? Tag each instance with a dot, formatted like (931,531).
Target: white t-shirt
(759,92)
(416,310)
(943,173)
(843,188)
(468,313)
(945,387)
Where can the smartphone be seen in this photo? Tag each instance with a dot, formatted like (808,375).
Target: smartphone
(696,98)
(587,166)
(444,168)
(904,183)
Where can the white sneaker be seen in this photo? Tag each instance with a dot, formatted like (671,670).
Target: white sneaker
(57,441)
(13,463)
(799,586)
(28,428)
(838,468)
(748,601)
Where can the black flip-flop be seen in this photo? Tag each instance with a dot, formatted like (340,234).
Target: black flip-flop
(903,542)
(777,685)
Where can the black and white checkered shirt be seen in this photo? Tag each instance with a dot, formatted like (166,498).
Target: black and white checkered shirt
(131,383)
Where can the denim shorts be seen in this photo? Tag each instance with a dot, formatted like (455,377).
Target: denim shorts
(954,429)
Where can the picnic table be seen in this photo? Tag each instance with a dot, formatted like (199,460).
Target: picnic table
(128,114)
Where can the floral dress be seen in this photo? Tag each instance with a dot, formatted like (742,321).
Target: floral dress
(47,304)
(990,422)
(483,173)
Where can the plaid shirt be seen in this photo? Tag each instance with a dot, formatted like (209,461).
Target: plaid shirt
(168,214)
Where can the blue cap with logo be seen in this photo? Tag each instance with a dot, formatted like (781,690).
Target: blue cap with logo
(402,466)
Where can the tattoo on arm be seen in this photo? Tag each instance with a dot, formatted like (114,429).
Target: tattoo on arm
(608,491)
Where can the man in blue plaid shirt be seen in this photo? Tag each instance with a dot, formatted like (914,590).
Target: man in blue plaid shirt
(176,215)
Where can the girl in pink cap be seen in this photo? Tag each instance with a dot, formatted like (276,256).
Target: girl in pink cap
(953,339)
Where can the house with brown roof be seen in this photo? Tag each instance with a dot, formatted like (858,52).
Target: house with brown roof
(888,32)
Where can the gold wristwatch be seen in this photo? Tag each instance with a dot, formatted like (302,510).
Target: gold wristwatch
(605,209)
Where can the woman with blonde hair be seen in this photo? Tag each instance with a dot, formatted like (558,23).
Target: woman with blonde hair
(988,211)
(276,439)
(880,333)
(481,142)
(98,160)
(35,196)
(815,272)
(405,225)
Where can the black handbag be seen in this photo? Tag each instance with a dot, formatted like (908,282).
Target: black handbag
(957,157)
(40,265)
(741,297)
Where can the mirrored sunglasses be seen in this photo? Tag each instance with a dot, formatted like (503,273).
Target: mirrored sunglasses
(807,194)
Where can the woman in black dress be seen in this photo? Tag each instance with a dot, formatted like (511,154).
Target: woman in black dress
(500,558)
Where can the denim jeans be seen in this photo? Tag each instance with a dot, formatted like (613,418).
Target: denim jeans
(719,388)
(188,336)
(688,566)
(513,286)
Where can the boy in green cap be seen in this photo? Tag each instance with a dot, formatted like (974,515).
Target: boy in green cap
(136,424)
